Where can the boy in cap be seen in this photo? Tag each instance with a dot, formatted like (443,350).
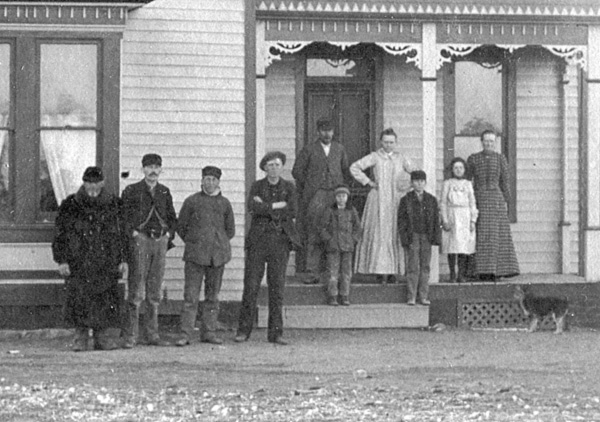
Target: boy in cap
(90,248)
(340,234)
(150,222)
(206,225)
(419,229)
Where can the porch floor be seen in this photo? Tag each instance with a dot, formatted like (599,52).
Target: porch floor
(530,278)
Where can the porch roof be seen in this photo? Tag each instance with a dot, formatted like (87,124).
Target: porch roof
(548,9)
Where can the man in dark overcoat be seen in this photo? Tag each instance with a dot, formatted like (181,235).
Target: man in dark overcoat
(151,221)
(90,249)
(319,168)
(272,205)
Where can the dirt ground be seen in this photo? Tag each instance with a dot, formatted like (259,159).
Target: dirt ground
(324,375)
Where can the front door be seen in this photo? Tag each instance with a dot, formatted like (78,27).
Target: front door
(349,107)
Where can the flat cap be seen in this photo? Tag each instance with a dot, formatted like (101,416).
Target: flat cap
(212,171)
(151,159)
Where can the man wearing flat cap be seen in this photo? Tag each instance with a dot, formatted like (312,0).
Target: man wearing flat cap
(319,168)
(206,225)
(272,205)
(90,248)
(150,223)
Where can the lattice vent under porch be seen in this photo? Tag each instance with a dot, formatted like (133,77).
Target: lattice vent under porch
(497,315)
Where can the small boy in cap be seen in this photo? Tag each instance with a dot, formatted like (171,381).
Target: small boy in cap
(206,225)
(419,229)
(340,234)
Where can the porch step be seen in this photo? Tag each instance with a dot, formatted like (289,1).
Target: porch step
(379,315)
(300,294)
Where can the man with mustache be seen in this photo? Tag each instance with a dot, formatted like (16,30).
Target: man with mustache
(319,168)
(90,249)
(150,222)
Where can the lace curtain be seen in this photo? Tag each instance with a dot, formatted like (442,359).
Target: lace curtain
(67,153)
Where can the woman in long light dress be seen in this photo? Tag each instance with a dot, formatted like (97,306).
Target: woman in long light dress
(379,251)
(459,215)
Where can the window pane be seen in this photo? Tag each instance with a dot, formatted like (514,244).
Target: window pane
(6,197)
(347,68)
(68,78)
(478,98)
(467,145)
(64,155)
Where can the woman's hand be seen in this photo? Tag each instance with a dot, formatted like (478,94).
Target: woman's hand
(373,184)
(257,199)
(279,205)
(446,226)
(472,226)
(64,270)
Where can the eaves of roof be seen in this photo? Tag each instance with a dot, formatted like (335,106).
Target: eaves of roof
(130,4)
(507,9)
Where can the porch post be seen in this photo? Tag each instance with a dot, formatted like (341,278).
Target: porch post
(261,73)
(429,83)
(591,255)
(564,224)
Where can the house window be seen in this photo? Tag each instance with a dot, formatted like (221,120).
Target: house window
(59,102)
(480,95)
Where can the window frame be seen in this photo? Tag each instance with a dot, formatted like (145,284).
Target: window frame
(24,138)
(509,118)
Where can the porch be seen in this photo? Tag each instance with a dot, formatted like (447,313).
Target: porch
(472,304)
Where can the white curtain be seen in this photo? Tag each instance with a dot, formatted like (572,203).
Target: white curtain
(4,155)
(68,153)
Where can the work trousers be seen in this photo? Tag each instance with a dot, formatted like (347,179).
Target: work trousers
(340,269)
(213,278)
(316,256)
(145,284)
(418,266)
(271,252)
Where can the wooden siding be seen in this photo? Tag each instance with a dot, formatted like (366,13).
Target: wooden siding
(539,151)
(572,215)
(402,106)
(280,125)
(183,97)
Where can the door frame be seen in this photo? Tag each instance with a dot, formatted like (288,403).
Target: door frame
(301,80)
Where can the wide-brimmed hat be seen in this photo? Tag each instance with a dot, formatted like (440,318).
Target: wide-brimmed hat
(271,156)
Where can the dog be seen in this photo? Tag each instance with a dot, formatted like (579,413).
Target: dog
(537,307)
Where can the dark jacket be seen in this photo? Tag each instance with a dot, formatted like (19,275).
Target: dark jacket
(265,219)
(206,225)
(312,168)
(406,218)
(90,238)
(341,230)
(138,201)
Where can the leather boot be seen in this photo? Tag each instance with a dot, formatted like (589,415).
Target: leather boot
(452,265)
(104,341)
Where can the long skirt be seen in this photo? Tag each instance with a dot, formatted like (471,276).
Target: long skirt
(495,251)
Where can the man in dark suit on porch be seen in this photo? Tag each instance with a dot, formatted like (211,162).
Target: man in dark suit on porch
(319,168)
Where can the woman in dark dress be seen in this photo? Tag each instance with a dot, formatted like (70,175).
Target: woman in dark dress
(495,252)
